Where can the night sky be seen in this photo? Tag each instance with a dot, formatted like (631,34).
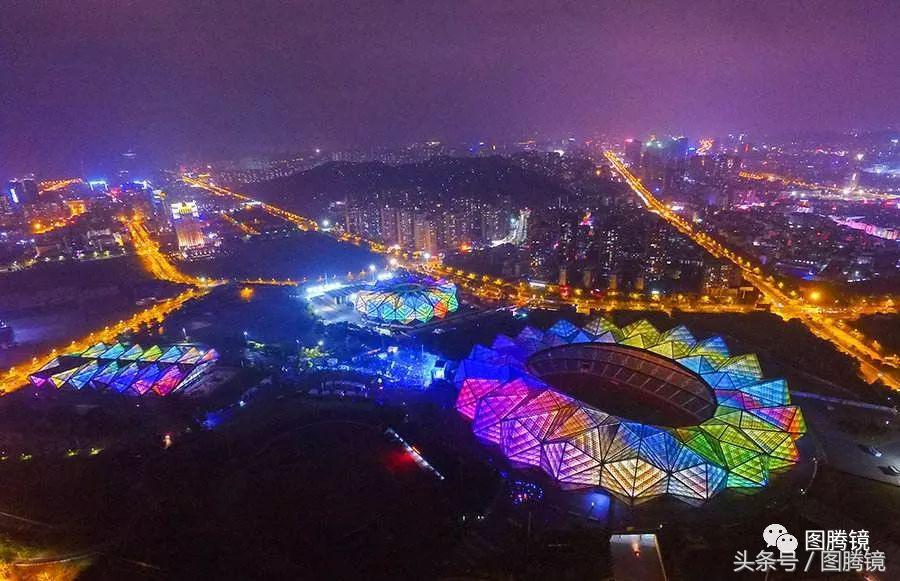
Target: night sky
(85,80)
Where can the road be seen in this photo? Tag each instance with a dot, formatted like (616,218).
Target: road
(873,364)
(56,185)
(153,260)
(245,229)
(834,192)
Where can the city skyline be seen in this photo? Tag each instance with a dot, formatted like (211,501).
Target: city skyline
(493,290)
(174,82)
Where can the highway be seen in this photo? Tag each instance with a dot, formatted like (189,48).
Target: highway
(248,230)
(302,222)
(873,364)
(153,260)
(272,282)
(834,192)
(56,185)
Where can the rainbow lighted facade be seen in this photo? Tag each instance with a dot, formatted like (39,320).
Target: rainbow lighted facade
(407,300)
(723,425)
(128,368)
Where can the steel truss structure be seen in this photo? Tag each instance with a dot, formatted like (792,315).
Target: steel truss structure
(408,299)
(128,368)
(745,426)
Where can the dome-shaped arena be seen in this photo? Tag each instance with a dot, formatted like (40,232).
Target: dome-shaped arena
(408,299)
(635,411)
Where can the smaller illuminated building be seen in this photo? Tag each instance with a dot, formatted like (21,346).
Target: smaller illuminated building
(408,299)
(128,368)
(188,226)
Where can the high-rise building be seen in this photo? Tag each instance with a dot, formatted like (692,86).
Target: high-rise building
(423,233)
(188,227)
(680,147)
(633,149)
(727,166)
(364,219)
(406,236)
(23,191)
(454,231)
(653,164)
(612,282)
(6,203)
(607,245)
(719,277)
(543,233)
(389,225)
(128,166)
(587,278)
(568,234)
(494,224)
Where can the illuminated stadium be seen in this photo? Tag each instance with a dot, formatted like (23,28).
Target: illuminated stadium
(408,299)
(128,368)
(638,412)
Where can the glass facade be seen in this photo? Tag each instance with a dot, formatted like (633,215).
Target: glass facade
(746,429)
(128,369)
(408,300)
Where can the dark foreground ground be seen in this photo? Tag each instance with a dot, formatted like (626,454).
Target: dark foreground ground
(299,487)
(290,489)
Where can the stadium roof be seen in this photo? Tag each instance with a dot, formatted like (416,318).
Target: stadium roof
(745,427)
(128,368)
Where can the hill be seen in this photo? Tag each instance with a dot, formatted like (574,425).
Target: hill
(443,178)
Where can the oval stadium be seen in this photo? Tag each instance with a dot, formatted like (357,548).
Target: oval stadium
(635,411)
